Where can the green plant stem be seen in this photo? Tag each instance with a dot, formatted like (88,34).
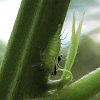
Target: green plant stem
(83,89)
(58,84)
(21,74)
(67,75)
(73,47)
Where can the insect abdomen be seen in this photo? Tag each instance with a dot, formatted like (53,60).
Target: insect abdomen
(52,50)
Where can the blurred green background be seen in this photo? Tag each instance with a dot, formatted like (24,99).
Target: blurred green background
(88,55)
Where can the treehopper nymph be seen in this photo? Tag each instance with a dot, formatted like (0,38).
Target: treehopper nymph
(51,56)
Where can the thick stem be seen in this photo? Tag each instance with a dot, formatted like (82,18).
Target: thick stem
(21,75)
(83,89)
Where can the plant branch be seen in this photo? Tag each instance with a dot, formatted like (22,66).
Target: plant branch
(21,75)
(67,75)
(83,89)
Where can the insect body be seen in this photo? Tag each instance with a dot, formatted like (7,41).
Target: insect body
(51,53)
(54,72)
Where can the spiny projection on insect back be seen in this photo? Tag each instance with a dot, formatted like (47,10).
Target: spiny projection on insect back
(51,56)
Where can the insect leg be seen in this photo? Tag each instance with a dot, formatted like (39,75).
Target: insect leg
(54,72)
(65,37)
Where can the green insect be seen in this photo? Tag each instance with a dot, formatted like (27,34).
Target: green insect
(51,53)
